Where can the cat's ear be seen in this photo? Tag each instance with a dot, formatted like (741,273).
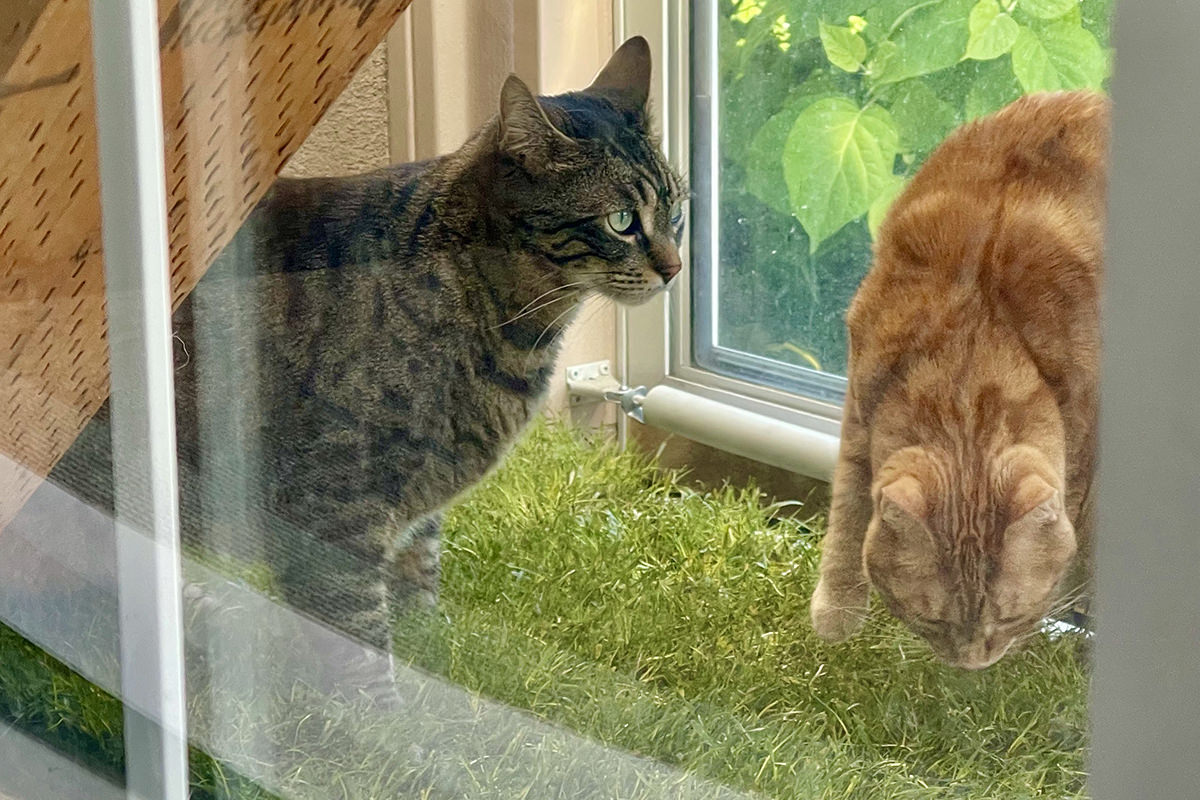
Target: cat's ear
(899,549)
(1032,494)
(526,133)
(903,485)
(1027,484)
(627,73)
(903,499)
(900,554)
(900,539)
(1039,542)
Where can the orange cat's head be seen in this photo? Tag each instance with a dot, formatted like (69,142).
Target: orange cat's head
(968,559)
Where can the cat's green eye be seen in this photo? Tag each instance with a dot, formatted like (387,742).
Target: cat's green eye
(620,221)
(677,214)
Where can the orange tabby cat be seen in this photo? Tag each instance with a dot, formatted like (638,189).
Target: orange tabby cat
(969,433)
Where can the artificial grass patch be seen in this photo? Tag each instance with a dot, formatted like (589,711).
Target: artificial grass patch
(584,585)
(603,596)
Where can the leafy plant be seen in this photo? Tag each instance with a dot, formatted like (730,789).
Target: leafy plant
(828,108)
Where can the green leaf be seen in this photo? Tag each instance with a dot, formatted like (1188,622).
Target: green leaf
(764,165)
(746,104)
(1048,9)
(837,160)
(879,209)
(1096,16)
(884,13)
(922,118)
(844,48)
(994,87)
(992,32)
(930,38)
(1060,55)
(764,157)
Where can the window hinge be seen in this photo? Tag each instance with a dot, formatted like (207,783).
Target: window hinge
(594,383)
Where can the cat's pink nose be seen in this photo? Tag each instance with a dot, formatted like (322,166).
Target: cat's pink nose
(669,270)
(979,657)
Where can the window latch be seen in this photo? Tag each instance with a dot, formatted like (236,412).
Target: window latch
(594,383)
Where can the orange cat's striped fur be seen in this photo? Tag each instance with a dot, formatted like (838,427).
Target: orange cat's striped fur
(962,489)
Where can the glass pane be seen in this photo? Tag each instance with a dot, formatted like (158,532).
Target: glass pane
(600,628)
(819,114)
(60,675)
(543,666)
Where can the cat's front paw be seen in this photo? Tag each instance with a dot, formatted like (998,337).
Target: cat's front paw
(838,613)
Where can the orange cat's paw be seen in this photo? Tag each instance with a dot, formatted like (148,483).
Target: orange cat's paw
(837,614)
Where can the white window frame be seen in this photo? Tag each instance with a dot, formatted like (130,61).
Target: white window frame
(654,341)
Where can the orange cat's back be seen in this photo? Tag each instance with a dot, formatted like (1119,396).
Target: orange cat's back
(987,276)
(1004,221)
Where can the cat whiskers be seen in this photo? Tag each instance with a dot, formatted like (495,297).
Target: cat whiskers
(545,330)
(527,310)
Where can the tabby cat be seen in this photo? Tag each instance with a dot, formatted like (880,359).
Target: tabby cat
(379,341)
(963,485)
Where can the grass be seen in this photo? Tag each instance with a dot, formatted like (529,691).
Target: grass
(604,597)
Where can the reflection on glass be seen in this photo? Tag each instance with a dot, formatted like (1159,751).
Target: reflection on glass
(601,628)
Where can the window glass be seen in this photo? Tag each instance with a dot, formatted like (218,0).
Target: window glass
(578,622)
(61,718)
(809,117)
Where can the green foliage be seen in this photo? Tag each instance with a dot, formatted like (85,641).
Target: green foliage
(820,129)
(1061,55)
(1048,9)
(993,32)
(842,154)
(844,48)
(926,38)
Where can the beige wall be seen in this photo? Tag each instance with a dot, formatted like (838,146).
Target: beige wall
(353,134)
(437,78)
(576,42)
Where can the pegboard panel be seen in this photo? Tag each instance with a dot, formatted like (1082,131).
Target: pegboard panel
(243,83)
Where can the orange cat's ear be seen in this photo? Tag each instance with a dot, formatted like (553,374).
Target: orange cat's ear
(900,554)
(1038,543)
(903,495)
(1031,493)
(1027,483)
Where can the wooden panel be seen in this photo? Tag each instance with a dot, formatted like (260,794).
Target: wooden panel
(243,84)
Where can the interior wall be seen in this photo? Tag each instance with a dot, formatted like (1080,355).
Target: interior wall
(575,42)
(447,63)
(353,135)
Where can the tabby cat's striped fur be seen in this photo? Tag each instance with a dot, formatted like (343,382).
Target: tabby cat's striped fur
(369,346)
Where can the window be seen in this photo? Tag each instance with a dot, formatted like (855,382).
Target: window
(605,631)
